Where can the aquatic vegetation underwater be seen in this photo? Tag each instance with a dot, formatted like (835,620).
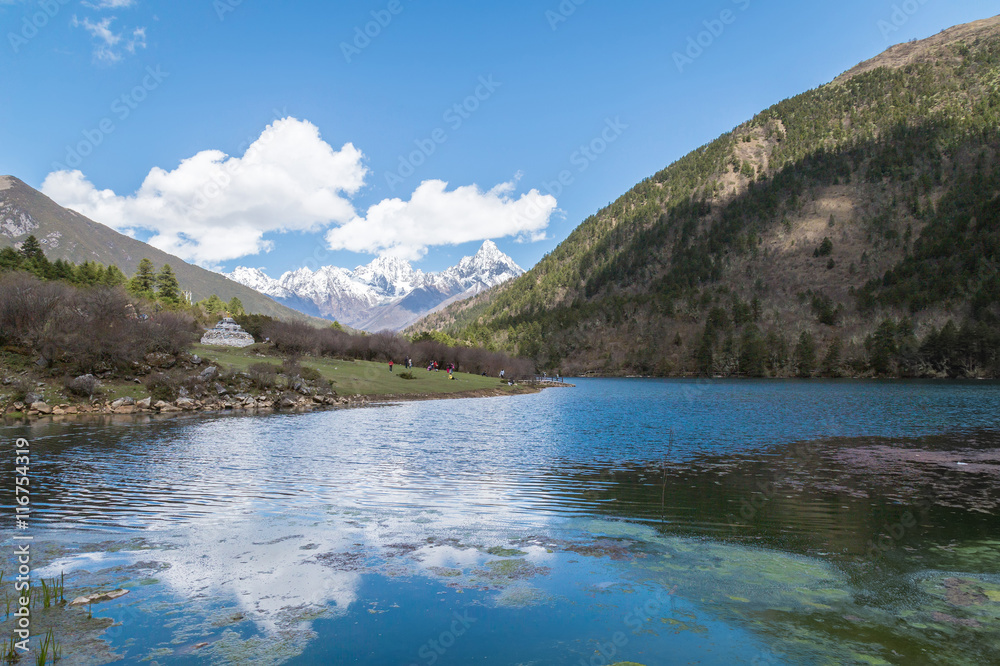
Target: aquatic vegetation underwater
(806,609)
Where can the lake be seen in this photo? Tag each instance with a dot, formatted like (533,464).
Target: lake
(657,522)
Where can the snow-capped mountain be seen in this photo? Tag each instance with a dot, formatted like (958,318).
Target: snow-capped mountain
(388,293)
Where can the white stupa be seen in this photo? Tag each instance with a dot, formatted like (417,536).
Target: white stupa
(227,333)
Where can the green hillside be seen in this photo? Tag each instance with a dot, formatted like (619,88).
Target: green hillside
(69,236)
(848,230)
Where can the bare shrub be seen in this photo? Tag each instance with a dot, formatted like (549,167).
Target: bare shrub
(19,389)
(96,329)
(300,339)
(162,386)
(290,367)
(28,308)
(291,337)
(263,376)
(99,331)
(170,332)
(310,374)
(386,345)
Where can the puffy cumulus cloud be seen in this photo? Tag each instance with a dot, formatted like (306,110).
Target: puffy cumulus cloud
(213,207)
(436,216)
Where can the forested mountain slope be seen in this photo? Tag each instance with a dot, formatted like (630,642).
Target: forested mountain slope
(853,229)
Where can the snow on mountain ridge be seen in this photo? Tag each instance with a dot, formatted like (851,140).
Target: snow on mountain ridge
(257,280)
(365,294)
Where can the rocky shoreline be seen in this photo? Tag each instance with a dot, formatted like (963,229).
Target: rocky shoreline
(186,383)
(128,406)
(237,404)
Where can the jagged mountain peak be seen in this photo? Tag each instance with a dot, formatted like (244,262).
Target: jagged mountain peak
(490,264)
(490,249)
(386,293)
(386,270)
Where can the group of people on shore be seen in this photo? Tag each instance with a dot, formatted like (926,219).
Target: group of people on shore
(433,366)
(409,363)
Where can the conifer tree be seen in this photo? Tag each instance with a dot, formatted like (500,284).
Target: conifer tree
(144,281)
(805,354)
(31,249)
(168,289)
(235,307)
(831,362)
(113,277)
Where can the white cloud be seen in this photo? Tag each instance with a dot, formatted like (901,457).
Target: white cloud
(110,46)
(436,216)
(213,208)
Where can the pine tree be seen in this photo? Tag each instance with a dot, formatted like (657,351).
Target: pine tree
(831,362)
(882,347)
(753,353)
(144,281)
(235,307)
(705,356)
(87,274)
(805,354)
(213,305)
(113,277)
(31,249)
(10,259)
(168,289)
(63,270)
(34,259)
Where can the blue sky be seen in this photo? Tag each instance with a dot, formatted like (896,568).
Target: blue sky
(143,86)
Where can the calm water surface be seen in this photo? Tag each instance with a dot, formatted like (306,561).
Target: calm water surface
(658,522)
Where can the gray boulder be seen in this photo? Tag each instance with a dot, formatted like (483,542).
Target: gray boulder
(160,360)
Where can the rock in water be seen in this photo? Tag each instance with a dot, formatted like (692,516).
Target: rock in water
(98,597)
(227,333)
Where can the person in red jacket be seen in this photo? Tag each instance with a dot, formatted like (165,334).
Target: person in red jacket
(390,365)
